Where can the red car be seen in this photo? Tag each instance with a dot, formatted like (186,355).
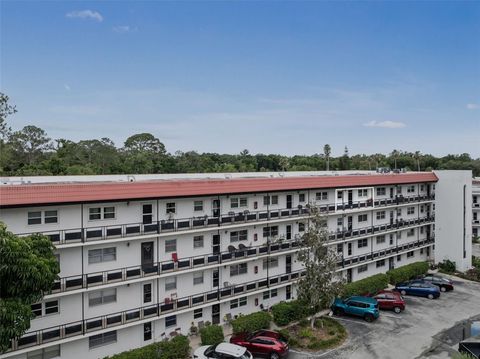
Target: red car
(263,343)
(390,300)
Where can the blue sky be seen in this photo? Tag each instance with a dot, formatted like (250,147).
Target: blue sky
(272,77)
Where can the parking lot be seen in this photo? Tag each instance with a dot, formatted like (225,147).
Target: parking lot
(426,329)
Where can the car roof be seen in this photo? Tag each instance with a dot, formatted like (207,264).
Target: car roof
(363,299)
(231,349)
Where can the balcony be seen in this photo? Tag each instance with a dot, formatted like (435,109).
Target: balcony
(90,280)
(168,306)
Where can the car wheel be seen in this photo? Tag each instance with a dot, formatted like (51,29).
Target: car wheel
(397,310)
(368,318)
(274,356)
(338,312)
(430,296)
(403,292)
(443,289)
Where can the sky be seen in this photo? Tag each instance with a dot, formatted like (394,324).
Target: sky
(267,76)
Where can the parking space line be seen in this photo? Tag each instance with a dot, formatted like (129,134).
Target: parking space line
(351,320)
(391,316)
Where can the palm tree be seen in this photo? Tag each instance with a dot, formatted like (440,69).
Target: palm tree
(327,150)
(416,156)
(395,154)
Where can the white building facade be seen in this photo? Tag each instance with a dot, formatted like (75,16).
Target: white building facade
(144,261)
(476,207)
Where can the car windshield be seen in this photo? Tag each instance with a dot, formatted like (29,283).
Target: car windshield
(245,355)
(209,351)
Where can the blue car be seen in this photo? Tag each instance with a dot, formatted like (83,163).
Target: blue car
(419,288)
(364,307)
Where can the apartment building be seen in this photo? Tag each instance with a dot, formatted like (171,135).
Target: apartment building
(144,258)
(476,207)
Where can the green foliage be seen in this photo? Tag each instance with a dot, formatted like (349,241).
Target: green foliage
(287,312)
(476,262)
(176,348)
(407,272)
(28,270)
(447,266)
(211,334)
(369,285)
(251,322)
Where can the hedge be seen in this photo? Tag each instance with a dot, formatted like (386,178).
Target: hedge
(287,312)
(211,335)
(176,348)
(407,272)
(251,322)
(369,285)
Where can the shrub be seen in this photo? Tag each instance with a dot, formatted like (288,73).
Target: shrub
(447,266)
(476,262)
(211,334)
(176,348)
(369,285)
(251,322)
(287,312)
(407,272)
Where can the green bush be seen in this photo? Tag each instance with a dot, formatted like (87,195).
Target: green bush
(476,262)
(176,348)
(251,322)
(287,312)
(447,266)
(407,272)
(211,334)
(369,285)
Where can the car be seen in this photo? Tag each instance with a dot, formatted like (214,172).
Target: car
(418,288)
(390,300)
(222,350)
(262,343)
(365,307)
(444,284)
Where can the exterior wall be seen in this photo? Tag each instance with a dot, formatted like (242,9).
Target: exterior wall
(476,207)
(453,232)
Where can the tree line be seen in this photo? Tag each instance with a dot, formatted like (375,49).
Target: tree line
(30,151)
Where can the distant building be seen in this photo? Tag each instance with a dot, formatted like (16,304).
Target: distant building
(476,207)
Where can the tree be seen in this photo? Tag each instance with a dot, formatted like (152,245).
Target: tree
(30,144)
(27,271)
(327,150)
(144,153)
(5,110)
(395,154)
(345,160)
(321,284)
(416,156)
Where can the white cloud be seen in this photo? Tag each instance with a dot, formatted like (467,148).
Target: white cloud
(67,87)
(122,29)
(85,14)
(385,124)
(473,106)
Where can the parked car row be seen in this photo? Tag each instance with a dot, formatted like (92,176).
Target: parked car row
(428,286)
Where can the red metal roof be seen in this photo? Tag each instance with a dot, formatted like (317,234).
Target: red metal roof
(35,194)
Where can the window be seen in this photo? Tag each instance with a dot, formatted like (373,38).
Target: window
(422,229)
(197,278)
(422,208)
(270,231)
(198,313)
(197,206)
(104,296)
(301,227)
(380,239)
(421,250)
(147,293)
(411,210)
(362,268)
(381,215)
(102,255)
(170,283)
(411,232)
(267,200)
(399,190)
(381,263)
(147,331)
(275,199)
(270,263)
(270,294)
(45,308)
(238,269)
(51,217)
(340,221)
(339,248)
(399,235)
(98,213)
(362,218)
(339,195)
(171,207)
(301,197)
(198,242)
(147,213)
(170,245)
(410,254)
(237,202)
(362,242)
(170,321)
(35,217)
(363,192)
(381,191)
(321,196)
(102,339)
(411,189)
(240,302)
(422,187)
(45,353)
(399,258)
(399,212)
(237,236)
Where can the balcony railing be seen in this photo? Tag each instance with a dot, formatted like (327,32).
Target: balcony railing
(114,320)
(384,252)
(123,274)
(76,235)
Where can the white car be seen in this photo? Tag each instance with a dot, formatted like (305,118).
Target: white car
(222,351)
